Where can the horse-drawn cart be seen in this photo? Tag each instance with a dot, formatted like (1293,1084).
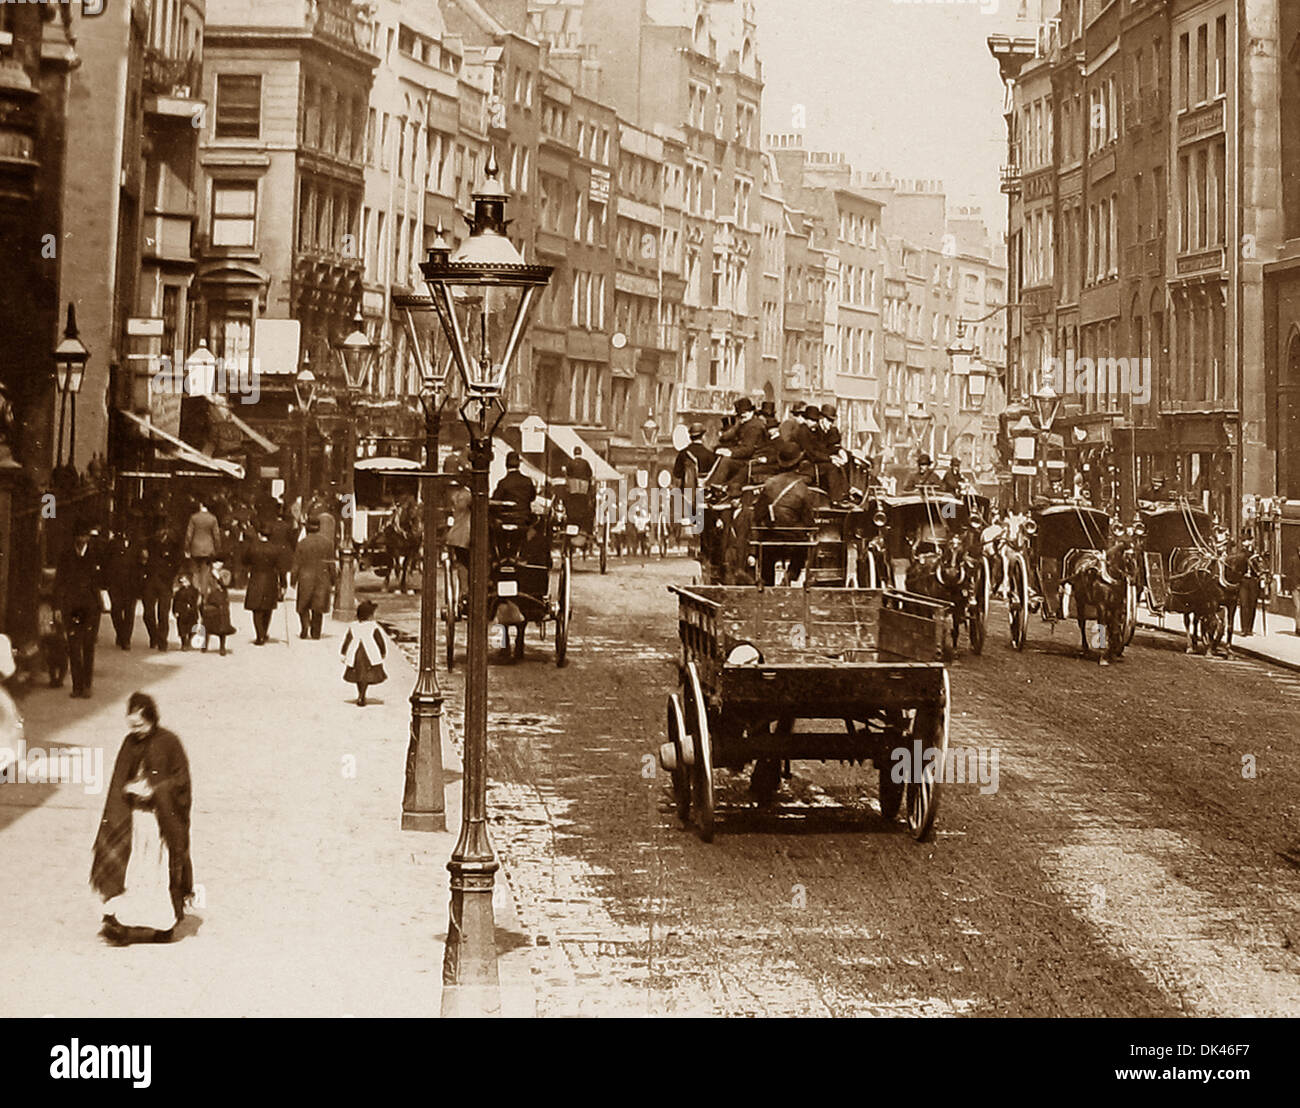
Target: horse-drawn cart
(777,674)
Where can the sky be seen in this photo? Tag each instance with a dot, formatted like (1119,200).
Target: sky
(907,86)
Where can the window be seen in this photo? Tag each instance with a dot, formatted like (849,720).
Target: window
(1221,56)
(1184,69)
(234,213)
(239,105)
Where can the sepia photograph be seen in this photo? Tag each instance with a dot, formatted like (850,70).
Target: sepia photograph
(657,509)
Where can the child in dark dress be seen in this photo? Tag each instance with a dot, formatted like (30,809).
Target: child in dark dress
(364,651)
(185,606)
(216,607)
(50,632)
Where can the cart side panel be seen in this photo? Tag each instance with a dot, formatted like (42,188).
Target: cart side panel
(792,624)
(835,691)
(912,629)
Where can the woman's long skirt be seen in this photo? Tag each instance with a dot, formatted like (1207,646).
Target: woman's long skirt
(146,901)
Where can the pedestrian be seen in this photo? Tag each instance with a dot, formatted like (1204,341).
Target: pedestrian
(11,719)
(457,540)
(216,607)
(51,636)
(160,563)
(185,606)
(364,652)
(1251,580)
(142,867)
(202,544)
(76,588)
(313,577)
(266,569)
(1293,583)
(124,580)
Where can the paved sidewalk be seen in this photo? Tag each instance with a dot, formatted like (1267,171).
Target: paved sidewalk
(313,901)
(1278,645)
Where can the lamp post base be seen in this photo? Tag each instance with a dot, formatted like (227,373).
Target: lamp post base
(423,800)
(470,960)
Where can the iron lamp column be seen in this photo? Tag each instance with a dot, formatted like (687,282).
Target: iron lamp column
(356,354)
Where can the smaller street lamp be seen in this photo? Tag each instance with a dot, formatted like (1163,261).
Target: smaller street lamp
(70,358)
(1048,405)
(356,355)
(304,389)
(201,371)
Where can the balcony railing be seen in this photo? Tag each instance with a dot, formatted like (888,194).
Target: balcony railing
(178,77)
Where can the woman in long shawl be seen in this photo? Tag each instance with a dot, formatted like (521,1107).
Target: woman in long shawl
(142,864)
(364,652)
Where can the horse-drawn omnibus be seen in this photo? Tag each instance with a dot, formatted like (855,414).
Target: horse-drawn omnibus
(386,525)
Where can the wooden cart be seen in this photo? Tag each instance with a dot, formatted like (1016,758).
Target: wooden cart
(836,675)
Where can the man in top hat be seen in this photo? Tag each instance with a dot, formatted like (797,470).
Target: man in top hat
(76,590)
(514,485)
(955,481)
(786,501)
(828,438)
(924,477)
(737,445)
(694,462)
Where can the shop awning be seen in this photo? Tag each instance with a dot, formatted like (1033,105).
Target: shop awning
(566,438)
(870,425)
(499,451)
(227,414)
(183,451)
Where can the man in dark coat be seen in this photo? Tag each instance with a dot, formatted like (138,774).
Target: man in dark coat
(580,492)
(514,485)
(693,463)
(925,477)
(161,558)
(313,577)
(124,579)
(76,590)
(1251,582)
(954,480)
(737,444)
(266,566)
(786,501)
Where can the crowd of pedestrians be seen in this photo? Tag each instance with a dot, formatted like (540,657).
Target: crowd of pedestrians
(178,567)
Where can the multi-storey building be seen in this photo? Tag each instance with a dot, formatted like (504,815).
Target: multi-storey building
(845,220)
(412,136)
(1163,154)
(35,60)
(707,86)
(283,151)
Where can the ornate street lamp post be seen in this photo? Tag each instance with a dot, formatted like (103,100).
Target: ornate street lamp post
(304,389)
(423,802)
(70,358)
(483,294)
(356,356)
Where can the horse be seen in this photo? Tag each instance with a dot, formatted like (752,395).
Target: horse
(1099,584)
(1198,590)
(402,537)
(951,574)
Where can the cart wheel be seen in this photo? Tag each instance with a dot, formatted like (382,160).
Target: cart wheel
(683,754)
(564,609)
(1018,600)
(922,796)
(450,603)
(697,723)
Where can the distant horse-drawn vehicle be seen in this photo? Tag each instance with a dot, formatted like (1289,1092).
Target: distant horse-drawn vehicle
(387,531)
(1186,569)
(1071,563)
